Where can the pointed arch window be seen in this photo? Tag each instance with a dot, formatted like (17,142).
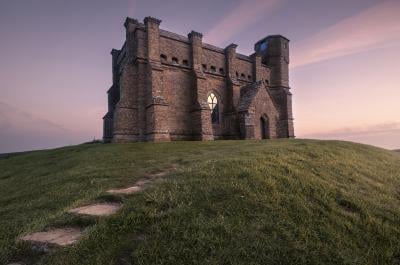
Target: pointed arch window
(212,101)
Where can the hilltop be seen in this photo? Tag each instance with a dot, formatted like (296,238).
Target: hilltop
(222,202)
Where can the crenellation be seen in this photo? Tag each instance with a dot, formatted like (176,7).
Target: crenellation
(163,82)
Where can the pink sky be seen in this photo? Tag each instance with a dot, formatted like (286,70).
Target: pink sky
(56,65)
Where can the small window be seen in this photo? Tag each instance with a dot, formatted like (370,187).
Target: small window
(221,71)
(204,67)
(213,69)
(285,45)
(249,77)
(163,57)
(237,75)
(264,46)
(185,62)
(175,60)
(213,104)
(243,76)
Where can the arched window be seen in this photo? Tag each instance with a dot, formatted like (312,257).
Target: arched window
(213,104)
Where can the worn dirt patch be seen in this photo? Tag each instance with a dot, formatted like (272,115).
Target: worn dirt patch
(98,209)
(60,237)
(129,190)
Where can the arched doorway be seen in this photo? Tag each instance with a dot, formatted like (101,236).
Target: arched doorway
(264,130)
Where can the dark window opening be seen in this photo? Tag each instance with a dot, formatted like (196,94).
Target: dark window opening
(243,76)
(237,75)
(249,77)
(175,60)
(221,71)
(204,67)
(185,62)
(213,69)
(163,58)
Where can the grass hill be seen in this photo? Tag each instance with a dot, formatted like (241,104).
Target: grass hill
(227,202)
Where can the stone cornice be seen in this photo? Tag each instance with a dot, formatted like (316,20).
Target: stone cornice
(129,20)
(231,46)
(152,20)
(195,34)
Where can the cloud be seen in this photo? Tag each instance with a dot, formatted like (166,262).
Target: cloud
(386,135)
(241,17)
(13,118)
(373,28)
(20,131)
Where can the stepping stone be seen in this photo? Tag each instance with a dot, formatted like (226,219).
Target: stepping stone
(129,190)
(98,209)
(59,237)
(160,174)
(142,182)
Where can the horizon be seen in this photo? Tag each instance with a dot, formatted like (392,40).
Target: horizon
(57,65)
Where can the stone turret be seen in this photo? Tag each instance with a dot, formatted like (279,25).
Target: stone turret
(274,51)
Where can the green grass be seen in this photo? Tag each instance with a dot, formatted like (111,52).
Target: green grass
(228,202)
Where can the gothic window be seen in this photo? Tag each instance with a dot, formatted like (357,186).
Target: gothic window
(213,104)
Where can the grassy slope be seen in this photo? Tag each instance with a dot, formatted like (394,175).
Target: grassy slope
(229,202)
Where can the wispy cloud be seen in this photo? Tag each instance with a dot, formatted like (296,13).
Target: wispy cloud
(21,130)
(385,135)
(361,130)
(373,28)
(14,118)
(241,17)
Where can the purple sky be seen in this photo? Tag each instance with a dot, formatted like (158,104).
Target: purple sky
(56,65)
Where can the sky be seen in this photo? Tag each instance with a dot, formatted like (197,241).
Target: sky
(55,65)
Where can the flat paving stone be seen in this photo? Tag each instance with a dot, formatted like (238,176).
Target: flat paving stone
(60,237)
(129,190)
(98,209)
(142,182)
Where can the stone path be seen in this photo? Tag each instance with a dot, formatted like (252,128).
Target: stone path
(138,186)
(97,209)
(129,190)
(59,237)
(69,235)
